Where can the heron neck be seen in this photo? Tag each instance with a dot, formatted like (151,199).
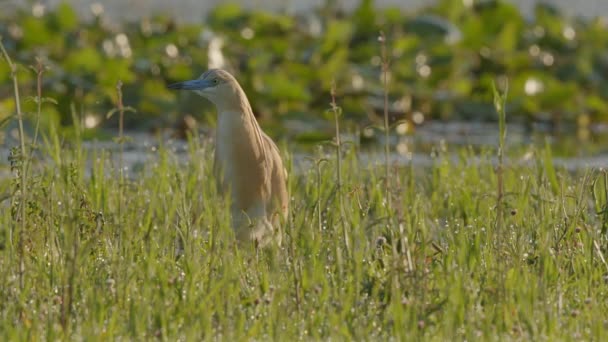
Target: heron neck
(236,102)
(237,125)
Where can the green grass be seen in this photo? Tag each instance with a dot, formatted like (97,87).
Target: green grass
(473,247)
(169,267)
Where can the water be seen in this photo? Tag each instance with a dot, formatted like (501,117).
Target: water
(419,148)
(195,10)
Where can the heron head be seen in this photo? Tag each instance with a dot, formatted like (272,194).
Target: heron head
(214,84)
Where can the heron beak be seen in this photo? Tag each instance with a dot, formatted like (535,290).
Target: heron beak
(197,84)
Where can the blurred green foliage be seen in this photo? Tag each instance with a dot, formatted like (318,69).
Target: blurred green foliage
(444,60)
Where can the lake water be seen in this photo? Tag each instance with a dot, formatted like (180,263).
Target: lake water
(195,10)
(570,151)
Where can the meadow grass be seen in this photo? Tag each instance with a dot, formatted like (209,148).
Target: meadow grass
(441,268)
(461,250)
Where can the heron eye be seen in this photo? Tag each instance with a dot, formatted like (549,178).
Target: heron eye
(215,81)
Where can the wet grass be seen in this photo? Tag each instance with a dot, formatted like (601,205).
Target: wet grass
(437,267)
(465,250)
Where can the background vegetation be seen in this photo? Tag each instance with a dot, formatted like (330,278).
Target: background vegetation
(444,59)
(480,243)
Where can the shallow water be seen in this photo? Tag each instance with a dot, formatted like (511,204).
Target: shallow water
(195,10)
(418,148)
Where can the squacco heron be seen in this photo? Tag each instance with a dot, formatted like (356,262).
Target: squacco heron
(247,163)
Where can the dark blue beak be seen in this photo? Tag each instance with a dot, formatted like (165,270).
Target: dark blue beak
(197,84)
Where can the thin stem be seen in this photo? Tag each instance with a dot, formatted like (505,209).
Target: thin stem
(39,72)
(121,111)
(23,185)
(68,293)
(385,69)
(320,221)
(336,110)
(499,104)
(500,101)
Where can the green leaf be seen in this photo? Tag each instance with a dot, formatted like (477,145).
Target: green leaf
(364,18)
(226,14)
(338,32)
(6,120)
(129,109)
(35,32)
(115,70)
(66,17)
(500,102)
(49,100)
(86,59)
(313,137)
(111,112)
(44,99)
(122,140)
(282,88)
(599,187)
